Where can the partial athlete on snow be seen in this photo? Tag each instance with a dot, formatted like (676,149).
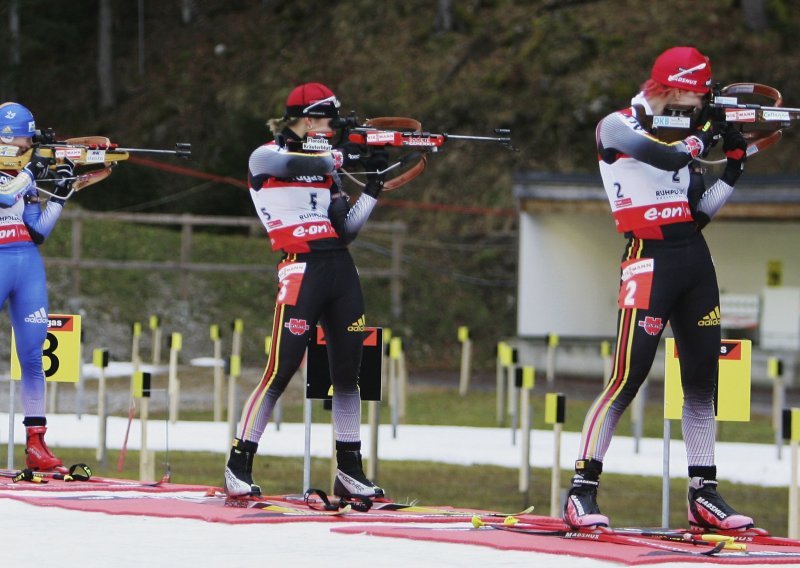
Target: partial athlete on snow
(24,225)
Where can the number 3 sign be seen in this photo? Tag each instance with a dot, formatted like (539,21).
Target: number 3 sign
(61,351)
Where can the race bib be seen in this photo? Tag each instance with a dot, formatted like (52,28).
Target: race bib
(637,281)
(290,278)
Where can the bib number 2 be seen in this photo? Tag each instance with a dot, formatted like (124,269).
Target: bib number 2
(636,284)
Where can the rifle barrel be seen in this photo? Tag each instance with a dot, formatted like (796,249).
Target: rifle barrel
(181,149)
(755,107)
(479,138)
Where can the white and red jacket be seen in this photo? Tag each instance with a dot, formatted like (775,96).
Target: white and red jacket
(647,181)
(296,196)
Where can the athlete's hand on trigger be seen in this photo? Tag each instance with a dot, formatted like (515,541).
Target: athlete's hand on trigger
(37,167)
(65,172)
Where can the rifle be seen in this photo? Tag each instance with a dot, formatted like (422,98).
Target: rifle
(401,132)
(95,155)
(761,125)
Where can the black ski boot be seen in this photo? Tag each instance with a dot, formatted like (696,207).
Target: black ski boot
(581,509)
(350,479)
(239,470)
(707,508)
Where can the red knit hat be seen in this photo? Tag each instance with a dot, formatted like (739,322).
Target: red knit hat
(683,68)
(312,99)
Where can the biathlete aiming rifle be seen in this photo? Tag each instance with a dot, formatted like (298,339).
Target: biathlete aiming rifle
(400,132)
(96,156)
(741,104)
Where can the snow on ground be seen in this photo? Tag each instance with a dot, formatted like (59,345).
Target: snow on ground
(32,535)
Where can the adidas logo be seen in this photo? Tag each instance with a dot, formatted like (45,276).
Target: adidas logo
(358,325)
(711,318)
(39,316)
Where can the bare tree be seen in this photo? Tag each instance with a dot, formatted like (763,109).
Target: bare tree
(188,11)
(444,15)
(755,15)
(14,57)
(13,31)
(105,70)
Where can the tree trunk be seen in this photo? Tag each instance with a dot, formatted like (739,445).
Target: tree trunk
(188,11)
(141,36)
(755,15)
(13,30)
(105,71)
(444,16)
(14,58)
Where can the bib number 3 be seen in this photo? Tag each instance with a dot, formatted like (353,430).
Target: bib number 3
(290,279)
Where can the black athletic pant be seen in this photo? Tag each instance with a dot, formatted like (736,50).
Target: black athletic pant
(327,291)
(684,292)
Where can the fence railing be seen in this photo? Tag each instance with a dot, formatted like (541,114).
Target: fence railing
(183,258)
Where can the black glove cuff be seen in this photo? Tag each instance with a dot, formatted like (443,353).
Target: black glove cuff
(373,187)
(733,169)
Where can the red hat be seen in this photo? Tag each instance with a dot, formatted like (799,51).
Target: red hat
(312,99)
(683,68)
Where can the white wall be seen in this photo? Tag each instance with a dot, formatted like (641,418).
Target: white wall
(569,268)
(568,275)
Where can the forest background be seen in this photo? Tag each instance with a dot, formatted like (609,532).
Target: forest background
(149,74)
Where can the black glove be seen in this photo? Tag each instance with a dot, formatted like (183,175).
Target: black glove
(376,161)
(708,135)
(64,174)
(352,153)
(38,165)
(735,147)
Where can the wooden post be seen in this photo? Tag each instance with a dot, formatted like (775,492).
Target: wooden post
(100,360)
(395,350)
(552,346)
(402,373)
(234,370)
(155,328)
(174,385)
(52,402)
(141,390)
(136,360)
(513,392)
(466,360)
(503,358)
(219,367)
(790,429)
(374,408)
(775,372)
(555,413)
(524,380)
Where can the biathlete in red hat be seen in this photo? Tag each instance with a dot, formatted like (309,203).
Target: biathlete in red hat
(659,201)
(297,194)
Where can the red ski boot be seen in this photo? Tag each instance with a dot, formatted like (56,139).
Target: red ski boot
(708,510)
(38,456)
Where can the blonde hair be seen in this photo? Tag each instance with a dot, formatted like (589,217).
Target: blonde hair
(276,125)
